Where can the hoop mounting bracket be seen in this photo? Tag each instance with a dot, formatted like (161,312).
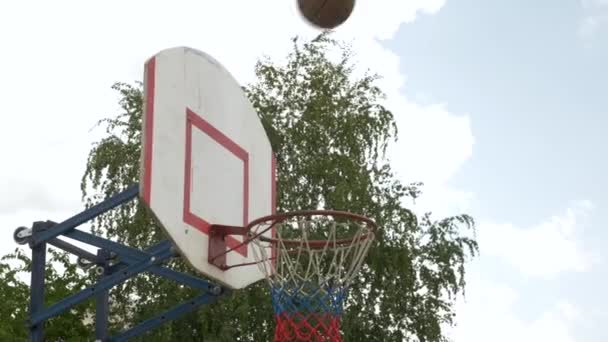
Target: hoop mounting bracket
(217,243)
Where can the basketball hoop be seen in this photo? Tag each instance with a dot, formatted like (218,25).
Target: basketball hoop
(309,265)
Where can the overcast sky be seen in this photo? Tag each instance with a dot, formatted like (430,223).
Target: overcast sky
(501,107)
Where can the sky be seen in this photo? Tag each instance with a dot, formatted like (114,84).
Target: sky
(499,104)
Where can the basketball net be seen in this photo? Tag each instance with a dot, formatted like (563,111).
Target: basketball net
(309,270)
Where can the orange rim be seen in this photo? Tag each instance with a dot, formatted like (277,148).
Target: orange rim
(274,219)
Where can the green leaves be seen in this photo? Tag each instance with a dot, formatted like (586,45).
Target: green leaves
(14,295)
(62,279)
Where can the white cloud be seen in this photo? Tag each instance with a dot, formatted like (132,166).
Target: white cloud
(387,16)
(490,314)
(433,145)
(595,18)
(589,26)
(594,4)
(507,310)
(433,136)
(543,250)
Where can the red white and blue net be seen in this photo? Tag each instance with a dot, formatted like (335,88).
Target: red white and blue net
(309,266)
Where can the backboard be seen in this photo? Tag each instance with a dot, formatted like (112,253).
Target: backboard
(206,159)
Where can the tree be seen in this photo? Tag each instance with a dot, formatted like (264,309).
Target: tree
(62,279)
(329,131)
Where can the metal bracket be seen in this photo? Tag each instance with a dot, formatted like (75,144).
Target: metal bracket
(217,250)
(114,264)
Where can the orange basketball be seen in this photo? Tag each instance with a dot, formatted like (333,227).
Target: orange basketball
(326,14)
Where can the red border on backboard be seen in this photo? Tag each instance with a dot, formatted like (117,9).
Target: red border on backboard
(149,127)
(193,121)
(273,204)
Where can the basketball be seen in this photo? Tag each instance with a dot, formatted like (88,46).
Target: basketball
(326,14)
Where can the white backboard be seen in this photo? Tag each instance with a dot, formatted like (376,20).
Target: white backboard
(206,158)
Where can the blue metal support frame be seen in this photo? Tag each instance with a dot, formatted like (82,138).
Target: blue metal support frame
(87,215)
(114,263)
(37,285)
(102,303)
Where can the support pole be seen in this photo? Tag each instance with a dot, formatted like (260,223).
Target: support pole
(102,308)
(37,284)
